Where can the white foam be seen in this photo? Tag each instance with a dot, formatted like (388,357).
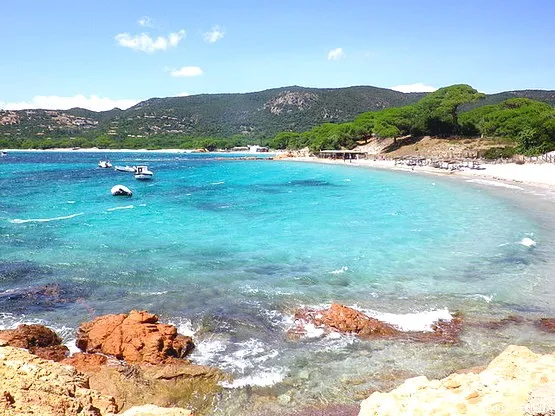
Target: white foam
(340,271)
(67,217)
(417,321)
(118,208)
(71,202)
(528,242)
(485,298)
(262,379)
(494,183)
(217,183)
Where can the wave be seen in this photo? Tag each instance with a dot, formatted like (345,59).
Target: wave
(118,208)
(217,183)
(340,271)
(67,217)
(527,242)
(416,321)
(406,322)
(267,378)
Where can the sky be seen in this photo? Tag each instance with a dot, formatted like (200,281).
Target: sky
(101,54)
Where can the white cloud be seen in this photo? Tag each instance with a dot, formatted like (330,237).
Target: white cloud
(214,35)
(182,94)
(54,102)
(336,54)
(145,43)
(418,87)
(145,21)
(187,71)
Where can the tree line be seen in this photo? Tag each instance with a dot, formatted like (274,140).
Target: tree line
(528,125)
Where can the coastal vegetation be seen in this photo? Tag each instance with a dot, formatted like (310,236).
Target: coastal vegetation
(295,118)
(528,125)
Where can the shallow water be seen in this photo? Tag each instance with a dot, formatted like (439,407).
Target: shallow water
(229,249)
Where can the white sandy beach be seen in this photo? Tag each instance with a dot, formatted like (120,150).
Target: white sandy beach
(510,174)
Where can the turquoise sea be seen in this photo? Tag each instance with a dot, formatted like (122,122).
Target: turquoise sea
(228,249)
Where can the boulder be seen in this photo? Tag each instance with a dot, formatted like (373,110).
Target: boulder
(510,385)
(348,320)
(30,385)
(38,339)
(136,337)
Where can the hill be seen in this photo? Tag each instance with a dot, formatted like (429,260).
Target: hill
(257,114)
(253,116)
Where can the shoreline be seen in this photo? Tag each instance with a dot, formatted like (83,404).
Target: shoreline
(508,175)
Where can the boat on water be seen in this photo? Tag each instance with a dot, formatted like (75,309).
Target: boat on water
(121,190)
(3,153)
(131,169)
(142,173)
(104,164)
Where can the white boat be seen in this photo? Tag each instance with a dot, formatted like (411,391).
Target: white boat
(2,153)
(121,190)
(132,169)
(142,173)
(104,164)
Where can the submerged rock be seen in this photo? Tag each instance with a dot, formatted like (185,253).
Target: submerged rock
(136,337)
(546,324)
(505,387)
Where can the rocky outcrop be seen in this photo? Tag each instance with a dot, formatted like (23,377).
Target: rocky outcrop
(546,324)
(38,339)
(30,385)
(512,384)
(136,337)
(348,320)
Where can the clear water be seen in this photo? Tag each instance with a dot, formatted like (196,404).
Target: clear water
(230,248)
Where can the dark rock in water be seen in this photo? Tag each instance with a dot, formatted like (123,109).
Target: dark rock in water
(136,337)
(38,339)
(309,182)
(502,323)
(17,272)
(39,298)
(546,324)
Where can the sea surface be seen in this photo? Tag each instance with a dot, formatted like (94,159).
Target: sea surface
(228,249)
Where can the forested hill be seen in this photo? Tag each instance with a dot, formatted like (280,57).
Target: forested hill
(257,114)
(252,115)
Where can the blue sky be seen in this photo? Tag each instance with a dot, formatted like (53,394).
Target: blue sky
(97,54)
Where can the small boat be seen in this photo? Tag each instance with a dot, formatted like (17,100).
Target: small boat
(142,173)
(104,164)
(2,153)
(131,169)
(121,190)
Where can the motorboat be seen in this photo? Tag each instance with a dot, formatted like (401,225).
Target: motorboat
(142,173)
(104,164)
(131,169)
(2,153)
(121,190)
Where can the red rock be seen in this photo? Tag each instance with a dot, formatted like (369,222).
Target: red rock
(136,337)
(86,363)
(546,324)
(38,339)
(348,320)
(26,336)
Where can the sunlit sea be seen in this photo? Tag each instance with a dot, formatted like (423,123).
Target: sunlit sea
(227,249)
